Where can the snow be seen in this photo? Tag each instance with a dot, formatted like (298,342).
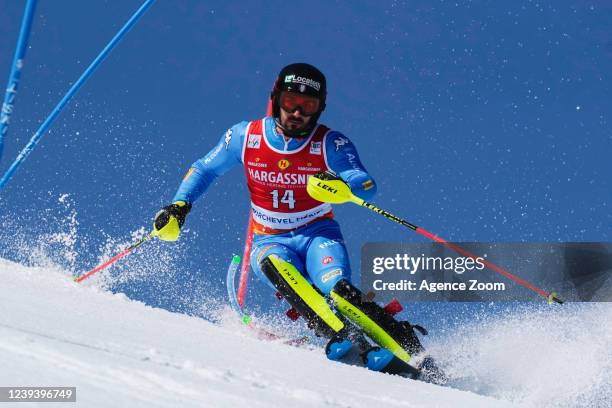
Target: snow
(549,356)
(118,352)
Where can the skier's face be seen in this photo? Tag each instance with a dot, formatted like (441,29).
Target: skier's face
(293,109)
(294,120)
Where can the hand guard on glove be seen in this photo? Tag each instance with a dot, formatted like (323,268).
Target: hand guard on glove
(327,175)
(327,187)
(169,220)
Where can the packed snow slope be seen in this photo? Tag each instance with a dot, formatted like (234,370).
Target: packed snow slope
(118,352)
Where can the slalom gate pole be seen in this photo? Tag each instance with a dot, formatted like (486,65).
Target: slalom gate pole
(13,80)
(246,262)
(72,91)
(337,192)
(231,289)
(248,244)
(116,257)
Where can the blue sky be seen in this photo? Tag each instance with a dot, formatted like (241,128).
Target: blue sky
(481,121)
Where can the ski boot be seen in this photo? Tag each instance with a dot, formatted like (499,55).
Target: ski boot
(344,330)
(395,338)
(340,345)
(376,322)
(373,358)
(382,360)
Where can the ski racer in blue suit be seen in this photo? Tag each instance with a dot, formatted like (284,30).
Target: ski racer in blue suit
(297,246)
(312,242)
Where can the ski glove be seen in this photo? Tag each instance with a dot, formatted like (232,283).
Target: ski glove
(169,220)
(327,187)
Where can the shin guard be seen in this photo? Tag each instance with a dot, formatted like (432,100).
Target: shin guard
(302,296)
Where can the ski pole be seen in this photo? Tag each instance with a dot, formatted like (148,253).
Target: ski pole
(13,81)
(335,191)
(116,257)
(73,90)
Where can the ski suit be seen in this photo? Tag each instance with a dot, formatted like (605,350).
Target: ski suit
(298,244)
(287,222)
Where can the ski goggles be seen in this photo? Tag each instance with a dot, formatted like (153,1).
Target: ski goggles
(291,101)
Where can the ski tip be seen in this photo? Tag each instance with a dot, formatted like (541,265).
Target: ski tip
(554,297)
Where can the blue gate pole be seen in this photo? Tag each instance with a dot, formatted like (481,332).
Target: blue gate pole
(13,80)
(73,90)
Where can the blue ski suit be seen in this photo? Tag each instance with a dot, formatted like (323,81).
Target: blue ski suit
(316,249)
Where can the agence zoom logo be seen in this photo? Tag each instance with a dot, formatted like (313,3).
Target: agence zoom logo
(413,264)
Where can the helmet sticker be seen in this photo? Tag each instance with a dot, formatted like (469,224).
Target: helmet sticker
(294,79)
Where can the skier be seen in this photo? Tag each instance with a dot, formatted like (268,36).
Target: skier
(297,245)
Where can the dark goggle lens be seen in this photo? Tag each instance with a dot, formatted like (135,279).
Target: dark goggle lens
(308,105)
